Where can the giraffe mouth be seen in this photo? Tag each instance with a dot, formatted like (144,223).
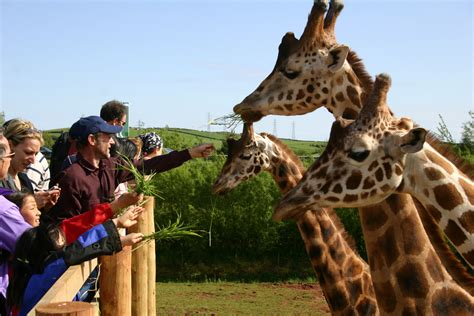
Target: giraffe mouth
(290,208)
(247,113)
(218,189)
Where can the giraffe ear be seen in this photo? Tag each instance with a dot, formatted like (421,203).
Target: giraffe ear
(337,57)
(413,141)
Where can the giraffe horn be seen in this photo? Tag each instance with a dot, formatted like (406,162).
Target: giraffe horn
(314,30)
(378,97)
(335,8)
(288,45)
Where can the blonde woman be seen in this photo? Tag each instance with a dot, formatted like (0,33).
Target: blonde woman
(25,141)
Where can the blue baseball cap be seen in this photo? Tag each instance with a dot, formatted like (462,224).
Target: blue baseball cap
(91,125)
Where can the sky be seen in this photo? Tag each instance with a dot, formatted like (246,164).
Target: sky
(179,62)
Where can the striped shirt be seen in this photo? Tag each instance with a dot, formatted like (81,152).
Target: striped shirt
(38,173)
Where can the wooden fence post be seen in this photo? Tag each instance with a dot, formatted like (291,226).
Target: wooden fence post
(115,283)
(151,259)
(140,264)
(65,309)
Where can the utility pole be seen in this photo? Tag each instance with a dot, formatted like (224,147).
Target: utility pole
(275,127)
(293,133)
(208,121)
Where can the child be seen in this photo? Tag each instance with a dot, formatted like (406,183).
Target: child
(27,204)
(41,256)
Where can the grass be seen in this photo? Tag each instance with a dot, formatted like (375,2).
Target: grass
(226,298)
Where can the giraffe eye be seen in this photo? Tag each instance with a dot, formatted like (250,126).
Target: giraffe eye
(290,74)
(359,155)
(245,157)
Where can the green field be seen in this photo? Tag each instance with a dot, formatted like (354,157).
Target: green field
(225,298)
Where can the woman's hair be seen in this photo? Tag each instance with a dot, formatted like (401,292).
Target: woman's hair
(17,198)
(127,148)
(35,247)
(17,130)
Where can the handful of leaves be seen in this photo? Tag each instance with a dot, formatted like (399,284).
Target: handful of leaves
(145,184)
(230,121)
(176,230)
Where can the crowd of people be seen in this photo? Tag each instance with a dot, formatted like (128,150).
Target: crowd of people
(46,212)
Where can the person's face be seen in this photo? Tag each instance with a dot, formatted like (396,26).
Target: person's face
(29,211)
(6,160)
(120,122)
(103,144)
(25,153)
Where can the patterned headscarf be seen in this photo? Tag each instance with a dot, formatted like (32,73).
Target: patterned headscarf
(150,141)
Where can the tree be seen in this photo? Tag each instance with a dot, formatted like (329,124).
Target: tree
(467,135)
(443,132)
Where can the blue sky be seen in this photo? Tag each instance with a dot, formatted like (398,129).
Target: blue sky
(177,61)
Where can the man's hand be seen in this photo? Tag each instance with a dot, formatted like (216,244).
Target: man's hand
(125,200)
(201,151)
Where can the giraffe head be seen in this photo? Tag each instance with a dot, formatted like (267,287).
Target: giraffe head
(363,162)
(254,153)
(309,73)
(245,159)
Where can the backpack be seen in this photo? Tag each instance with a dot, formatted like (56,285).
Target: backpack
(59,152)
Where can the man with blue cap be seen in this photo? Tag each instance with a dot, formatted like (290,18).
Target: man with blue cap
(94,177)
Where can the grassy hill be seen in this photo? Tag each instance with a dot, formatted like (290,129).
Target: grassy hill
(188,137)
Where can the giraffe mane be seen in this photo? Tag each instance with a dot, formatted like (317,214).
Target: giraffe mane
(287,150)
(447,152)
(455,268)
(361,73)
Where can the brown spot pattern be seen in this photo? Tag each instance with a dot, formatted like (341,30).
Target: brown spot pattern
(340,97)
(348,198)
(467,221)
(433,211)
(411,240)
(412,281)
(374,217)
(388,170)
(433,174)
(447,196)
(353,95)
(379,174)
(385,290)
(455,233)
(451,302)
(300,94)
(337,188)
(368,183)
(354,180)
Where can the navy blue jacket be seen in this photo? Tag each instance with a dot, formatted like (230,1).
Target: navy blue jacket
(100,240)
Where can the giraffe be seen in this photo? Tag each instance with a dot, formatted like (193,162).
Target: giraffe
(366,160)
(343,276)
(315,71)
(312,72)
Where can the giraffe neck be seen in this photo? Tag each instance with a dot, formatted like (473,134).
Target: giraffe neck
(446,193)
(346,95)
(343,276)
(407,274)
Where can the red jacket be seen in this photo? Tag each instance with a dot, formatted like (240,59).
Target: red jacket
(75,226)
